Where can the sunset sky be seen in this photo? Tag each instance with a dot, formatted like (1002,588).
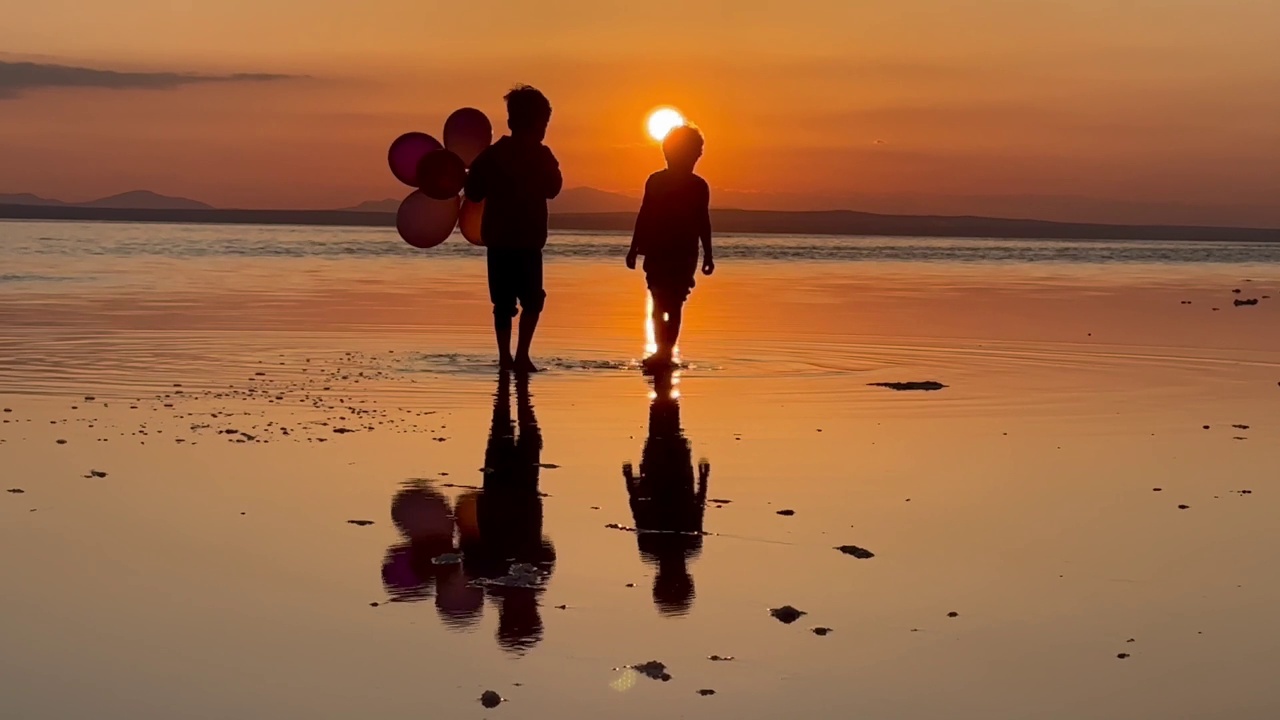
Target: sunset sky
(1076,109)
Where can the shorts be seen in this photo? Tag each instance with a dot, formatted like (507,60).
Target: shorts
(515,275)
(671,280)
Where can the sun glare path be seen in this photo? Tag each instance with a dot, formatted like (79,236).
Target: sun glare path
(663,121)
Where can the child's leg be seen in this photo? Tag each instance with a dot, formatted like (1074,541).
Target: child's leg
(502,295)
(532,298)
(660,331)
(502,331)
(675,315)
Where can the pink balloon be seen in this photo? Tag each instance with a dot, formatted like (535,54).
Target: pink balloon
(424,222)
(405,154)
(469,218)
(467,132)
(441,174)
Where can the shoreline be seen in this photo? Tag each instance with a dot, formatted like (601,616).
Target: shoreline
(763,222)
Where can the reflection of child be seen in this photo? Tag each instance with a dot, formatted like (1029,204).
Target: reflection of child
(667,505)
(673,219)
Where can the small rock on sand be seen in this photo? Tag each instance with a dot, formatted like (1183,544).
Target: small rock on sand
(16,491)
(854,550)
(1123,656)
(1246,301)
(1184,507)
(706,692)
(822,631)
(653,669)
(787,614)
(912,385)
(61,441)
(361,523)
(721,658)
(490,699)
(953,614)
(786,513)
(1157,489)
(97,474)
(1240,427)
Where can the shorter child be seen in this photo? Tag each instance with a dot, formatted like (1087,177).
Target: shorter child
(674,218)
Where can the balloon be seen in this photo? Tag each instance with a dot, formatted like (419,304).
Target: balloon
(424,222)
(469,218)
(441,174)
(405,154)
(467,132)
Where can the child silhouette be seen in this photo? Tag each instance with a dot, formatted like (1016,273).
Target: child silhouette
(515,177)
(674,217)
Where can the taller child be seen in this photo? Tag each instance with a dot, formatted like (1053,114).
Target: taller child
(515,177)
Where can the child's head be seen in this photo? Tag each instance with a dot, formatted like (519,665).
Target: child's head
(528,112)
(682,148)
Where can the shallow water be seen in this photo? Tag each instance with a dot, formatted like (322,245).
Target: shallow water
(214,574)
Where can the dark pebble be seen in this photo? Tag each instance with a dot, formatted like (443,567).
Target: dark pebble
(653,669)
(787,614)
(1123,656)
(1184,507)
(490,699)
(361,523)
(16,491)
(787,513)
(953,614)
(705,692)
(854,550)
(822,631)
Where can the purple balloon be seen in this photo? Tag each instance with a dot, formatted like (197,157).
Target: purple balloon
(406,152)
(424,222)
(467,132)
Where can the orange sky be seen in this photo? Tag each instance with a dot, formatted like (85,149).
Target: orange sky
(1084,109)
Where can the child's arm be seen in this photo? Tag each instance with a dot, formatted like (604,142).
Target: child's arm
(641,232)
(477,186)
(554,179)
(704,234)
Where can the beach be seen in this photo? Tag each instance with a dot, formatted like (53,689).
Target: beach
(1079,524)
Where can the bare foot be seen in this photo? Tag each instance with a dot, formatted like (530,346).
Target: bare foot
(525,365)
(657,362)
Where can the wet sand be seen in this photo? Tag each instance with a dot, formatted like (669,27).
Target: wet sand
(189,549)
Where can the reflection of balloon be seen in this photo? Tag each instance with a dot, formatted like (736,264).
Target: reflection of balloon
(441,174)
(424,222)
(421,513)
(405,154)
(458,603)
(400,578)
(469,221)
(467,132)
(466,515)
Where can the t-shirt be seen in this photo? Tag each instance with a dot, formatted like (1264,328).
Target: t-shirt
(673,216)
(514,179)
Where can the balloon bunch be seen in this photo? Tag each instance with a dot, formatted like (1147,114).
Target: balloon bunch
(439,170)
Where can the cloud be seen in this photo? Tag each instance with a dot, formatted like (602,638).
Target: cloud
(18,78)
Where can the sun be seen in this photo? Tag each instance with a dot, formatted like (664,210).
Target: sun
(663,121)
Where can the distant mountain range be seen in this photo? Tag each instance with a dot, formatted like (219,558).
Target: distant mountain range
(571,200)
(132,200)
(596,210)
